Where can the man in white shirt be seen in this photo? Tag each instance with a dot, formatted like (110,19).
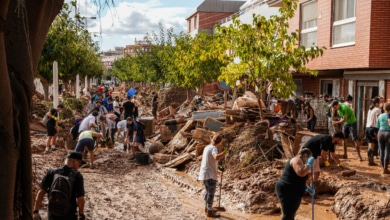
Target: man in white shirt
(89,122)
(117,110)
(208,172)
(121,131)
(372,130)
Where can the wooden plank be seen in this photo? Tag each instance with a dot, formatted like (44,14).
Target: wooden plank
(202,135)
(163,158)
(179,160)
(213,124)
(179,141)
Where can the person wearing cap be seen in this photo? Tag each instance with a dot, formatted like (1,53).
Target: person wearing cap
(87,142)
(134,135)
(72,164)
(319,146)
(348,120)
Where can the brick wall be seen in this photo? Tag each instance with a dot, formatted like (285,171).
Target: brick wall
(207,20)
(380,32)
(355,56)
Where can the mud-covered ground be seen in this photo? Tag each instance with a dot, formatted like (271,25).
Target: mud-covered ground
(120,189)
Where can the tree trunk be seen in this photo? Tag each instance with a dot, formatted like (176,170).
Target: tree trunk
(23,28)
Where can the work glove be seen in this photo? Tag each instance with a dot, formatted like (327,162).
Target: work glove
(310,162)
(54,117)
(36,216)
(340,165)
(221,168)
(326,162)
(310,190)
(81,217)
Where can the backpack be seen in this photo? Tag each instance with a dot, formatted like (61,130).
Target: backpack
(141,126)
(60,193)
(75,129)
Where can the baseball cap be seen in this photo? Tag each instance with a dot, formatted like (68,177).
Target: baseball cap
(76,155)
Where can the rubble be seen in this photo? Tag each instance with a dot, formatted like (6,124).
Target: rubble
(259,143)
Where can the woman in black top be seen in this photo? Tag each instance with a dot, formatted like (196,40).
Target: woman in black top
(291,187)
(311,118)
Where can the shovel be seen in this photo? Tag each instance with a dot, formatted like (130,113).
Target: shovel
(219,208)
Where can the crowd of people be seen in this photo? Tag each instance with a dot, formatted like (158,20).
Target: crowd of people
(304,168)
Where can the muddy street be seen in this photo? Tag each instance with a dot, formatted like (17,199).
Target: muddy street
(119,189)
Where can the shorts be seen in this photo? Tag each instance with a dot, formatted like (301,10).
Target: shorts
(350,129)
(51,130)
(371,133)
(88,142)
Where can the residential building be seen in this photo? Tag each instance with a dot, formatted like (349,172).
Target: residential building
(108,57)
(132,50)
(209,13)
(355,33)
(357,59)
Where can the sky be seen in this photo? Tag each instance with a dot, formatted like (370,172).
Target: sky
(128,20)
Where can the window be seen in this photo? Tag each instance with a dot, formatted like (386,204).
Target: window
(344,22)
(309,24)
(327,87)
(298,90)
(195,22)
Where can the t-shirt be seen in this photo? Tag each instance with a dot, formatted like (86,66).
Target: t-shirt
(116,107)
(110,123)
(122,125)
(383,123)
(208,168)
(318,143)
(78,187)
(345,111)
(51,122)
(85,124)
(129,108)
(372,117)
(86,134)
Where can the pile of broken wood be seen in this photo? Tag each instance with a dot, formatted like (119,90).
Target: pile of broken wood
(250,140)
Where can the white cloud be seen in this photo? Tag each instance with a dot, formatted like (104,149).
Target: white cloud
(130,20)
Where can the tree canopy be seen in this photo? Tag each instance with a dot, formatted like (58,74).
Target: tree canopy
(265,52)
(71,45)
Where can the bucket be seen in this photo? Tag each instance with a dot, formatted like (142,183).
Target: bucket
(142,158)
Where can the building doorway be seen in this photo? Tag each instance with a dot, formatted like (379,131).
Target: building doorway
(366,91)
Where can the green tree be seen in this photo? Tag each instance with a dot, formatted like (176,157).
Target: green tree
(267,53)
(71,45)
(24,26)
(196,61)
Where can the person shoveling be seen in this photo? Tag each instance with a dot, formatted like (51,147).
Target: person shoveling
(208,172)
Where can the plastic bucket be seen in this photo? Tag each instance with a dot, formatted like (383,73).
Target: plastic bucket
(142,158)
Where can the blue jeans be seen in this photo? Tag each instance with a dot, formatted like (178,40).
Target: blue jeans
(384,145)
(211,186)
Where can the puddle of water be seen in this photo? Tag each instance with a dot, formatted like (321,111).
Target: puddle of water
(322,206)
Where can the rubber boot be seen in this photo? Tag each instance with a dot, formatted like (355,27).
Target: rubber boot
(213,214)
(345,156)
(124,147)
(370,155)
